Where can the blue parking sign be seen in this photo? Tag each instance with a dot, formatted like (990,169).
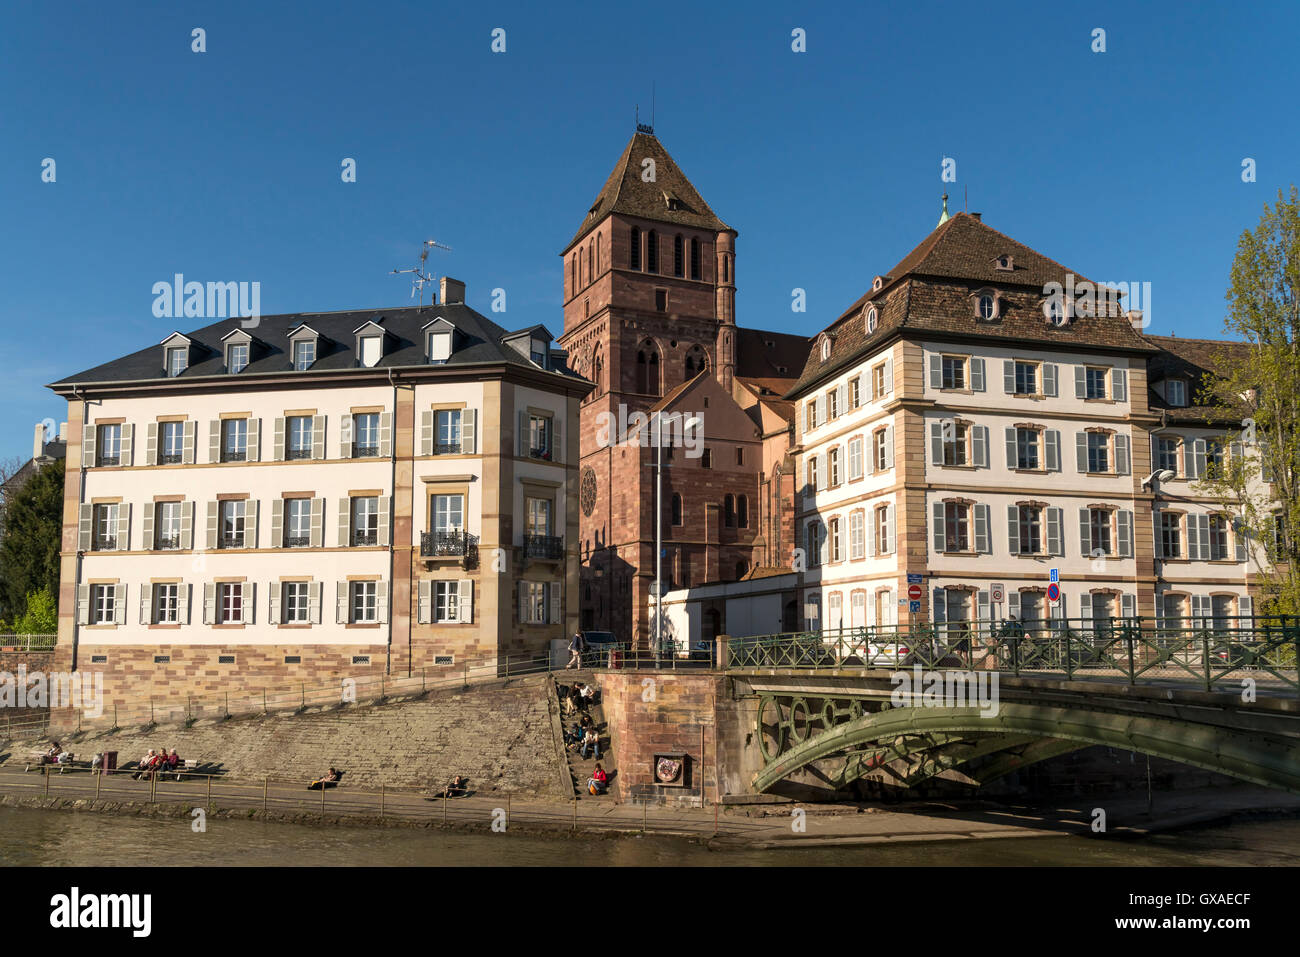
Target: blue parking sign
(1056,575)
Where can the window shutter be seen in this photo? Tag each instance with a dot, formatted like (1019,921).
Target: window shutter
(980,443)
(1013,458)
(248,602)
(889,446)
(345,436)
(984,608)
(318,436)
(87,446)
(889,376)
(1119,386)
(869,534)
(936,442)
(83,604)
(341,603)
(523,435)
(209,603)
(1128,605)
(1246,606)
(936,521)
(1085,609)
(187,525)
(313,602)
(936,371)
(426,432)
(1085,532)
(386,434)
(214,440)
(1081,450)
(146,538)
(842,397)
(85,526)
(317,522)
(345,522)
(469,432)
(123,543)
(891,546)
(278,452)
(1049,379)
(151,444)
(183,603)
(554,592)
(250,522)
(1013,604)
(1121,455)
(381,602)
(823,544)
(823,473)
(254,440)
(1052,439)
(119,604)
(1203,522)
(982,529)
(1055,526)
(128,443)
(869,456)
(1009,376)
(521,592)
(1080,390)
(1198,457)
(1239,539)
(939,607)
(977,374)
(1013,529)
(385,519)
(146,603)
(424,602)
(557,438)
(214,516)
(274,614)
(277,522)
(188,435)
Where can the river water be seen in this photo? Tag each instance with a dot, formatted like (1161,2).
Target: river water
(40,837)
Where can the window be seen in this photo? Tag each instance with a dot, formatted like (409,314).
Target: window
(166,604)
(1170,535)
(1176,392)
(1026,378)
(232,524)
(365,520)
(956,522)
(857,536)
(633,250)
(365,435)
(740,455)
(954,443)
(446,432)
(954,372)
(439,347)
(448,514)
(987,307)
(813,539)
(1099,531)
(1213,458)
(539,437)
(171,442)
(1094,383)
(729,511)
(1167,454)
(1026,448)
(365,602)
(234,440)
(538,516)
(812,472)
(1098,452)
(855,392)
(652,252)
(706,460)
(661,300)
(236,357)
(742,511)
(295,597)
(879,450)
(105,533)
(108,448)
(1055,311)
(1103,607)
(299,432)
(677,508)
(837,554)
(695,259)
(883,545)
(103,604)
(833,403)
(1031,529)
(297,522)
(304,354)
(855,458)
(1222,611)
(446,601)
(167,525)
(872,319)
(833,466)
(230,603)
(533,611)
(1218,538)
(177,360)
(826,349)
(1175,610)
(679,256)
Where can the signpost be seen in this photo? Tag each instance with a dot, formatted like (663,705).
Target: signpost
(997,593)
(915,579)
(913,606)
(1056,576)
(1053,592)
(914,593)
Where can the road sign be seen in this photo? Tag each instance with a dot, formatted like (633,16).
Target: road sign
(812,610)
(1053,592)
(914,607)
(914,592)
(997,593)
(1056,575)
(915,579)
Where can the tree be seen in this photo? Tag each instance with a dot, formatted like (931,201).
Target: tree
(33,530)
(1260,387)
(41,616)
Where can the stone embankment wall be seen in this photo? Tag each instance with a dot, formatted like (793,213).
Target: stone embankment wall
(10,662)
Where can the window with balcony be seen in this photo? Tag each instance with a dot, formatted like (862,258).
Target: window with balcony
(298,437)
(171,443)
(232,524)
(540,540)
(297,522)
(365,520)
(108,447)
(365,435)
(167,526)
(1031,529)
(447,536)
(446,436)
(234,440)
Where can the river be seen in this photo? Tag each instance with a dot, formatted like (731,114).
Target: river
(39,837)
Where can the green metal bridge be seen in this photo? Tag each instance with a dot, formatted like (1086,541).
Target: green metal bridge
(975,702)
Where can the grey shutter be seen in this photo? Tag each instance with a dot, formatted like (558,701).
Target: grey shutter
(318,436)
(317,522)
(250,522)
(345,522)
(1203,524)
(936,442)
(889,376)
(277,452)
(1055,545)
(977,374)
(385,508)
(314,602)
(1198,457)
(214,520)
(151,444)
(424,602)
(248,602)
(1052,439)
(889,446)
(345,436)
(83,604)
(85,526)
(254,440)
(187,525)
(386,435)
(983,607)
(1009,376)
(209,603)
(128,444)
(1049,379)
(119,604)
(553,593)
(936,522)
(1081,451)
(188,431)
(1080,390)
(523,435)
(146,536)
(1239,538)
(1246,606)
(381,602)
(936,371)
(123,542)
(1121,455)
(183,603)
(214,440)
(1013,529)
(1013,458)
(892,544)
(277,522)
(341,603)
(939,606)
(980,445)
(1013,604)
(557,438)
(465,594)
(469,432)
(1128,605)
(982,530)
(87,446)
(274,614)
(146,603)
(1119,385)
(426,432)
(1085,532)
(1085,609)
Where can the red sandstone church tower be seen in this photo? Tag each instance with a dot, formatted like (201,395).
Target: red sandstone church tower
(650,318)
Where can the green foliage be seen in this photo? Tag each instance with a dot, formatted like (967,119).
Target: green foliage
(29,550)
(1260,387)
(42,615)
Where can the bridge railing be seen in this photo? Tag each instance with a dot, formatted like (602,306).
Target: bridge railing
(1204,651)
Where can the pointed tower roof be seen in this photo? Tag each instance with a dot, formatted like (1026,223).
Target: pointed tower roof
(943,216)
(670,198)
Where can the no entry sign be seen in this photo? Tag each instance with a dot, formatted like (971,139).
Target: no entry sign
(914,592)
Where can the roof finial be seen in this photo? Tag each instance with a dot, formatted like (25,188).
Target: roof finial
(943,217)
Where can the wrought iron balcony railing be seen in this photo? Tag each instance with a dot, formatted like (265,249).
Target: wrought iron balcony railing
(163,543)
(446,448)
(108,460)
(543,453)
(103,545)
(231,541)
(365,451)
(233,455)
(170,458)
(297,541)
(298,454)
(447,544)
(544,546)
(365,538)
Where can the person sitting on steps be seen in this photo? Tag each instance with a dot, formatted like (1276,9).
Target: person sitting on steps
(591,740)
(457,788)
(598,781)
(329,777)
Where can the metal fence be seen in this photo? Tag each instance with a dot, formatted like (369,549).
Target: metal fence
(27,642)
(1205,652)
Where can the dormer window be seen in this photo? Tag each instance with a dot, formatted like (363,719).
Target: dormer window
(877,284)
(236,357)
(304,354)
(872,319)
(538,352)
(826,349)
(178,360)
(1054,311)
(1003,263)
(1176,392)
(988,306)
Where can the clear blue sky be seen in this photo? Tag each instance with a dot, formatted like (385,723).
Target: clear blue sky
(1125,165)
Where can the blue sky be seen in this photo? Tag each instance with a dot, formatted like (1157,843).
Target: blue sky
(225,165)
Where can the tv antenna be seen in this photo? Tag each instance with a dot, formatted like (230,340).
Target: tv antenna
(421,277)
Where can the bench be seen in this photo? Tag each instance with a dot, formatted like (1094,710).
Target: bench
(39,760)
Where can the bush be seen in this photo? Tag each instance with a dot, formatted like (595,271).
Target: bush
(41,616)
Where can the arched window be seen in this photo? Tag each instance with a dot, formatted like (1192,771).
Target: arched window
(741,568)
(634,249)
(679,256)
(729,511)
(697,361)
(652,252)
(573,274)
(726,270)
(677,508)
(590,254)
(742,511)
(647,369)
(598,373)
(600,249)
(695,258)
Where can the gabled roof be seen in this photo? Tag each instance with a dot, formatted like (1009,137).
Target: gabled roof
(528,331)
(1193,360)
(627,193)
(369,322)
(176,335)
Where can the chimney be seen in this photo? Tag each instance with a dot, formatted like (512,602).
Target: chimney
(38,441)
(451,290)
(63,431)
(979,216)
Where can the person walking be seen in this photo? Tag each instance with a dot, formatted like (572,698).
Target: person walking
(576,647)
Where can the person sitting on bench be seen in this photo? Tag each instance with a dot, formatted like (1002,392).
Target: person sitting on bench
(173,760)
(52,755)
(146,765)
(329,777)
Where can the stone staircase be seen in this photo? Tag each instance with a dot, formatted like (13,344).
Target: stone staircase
(580,770)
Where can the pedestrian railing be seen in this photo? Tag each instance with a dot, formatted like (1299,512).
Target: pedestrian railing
(27,642)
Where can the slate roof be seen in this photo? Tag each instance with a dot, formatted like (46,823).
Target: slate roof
(1191,359)
(627,193)
(478,341)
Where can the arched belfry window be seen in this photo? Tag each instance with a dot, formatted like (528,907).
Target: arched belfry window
(573,272)
(647,369)
(695,258)
(600,249)
(652,252)
(590,255)
(634,249)
(697,361)
(679,256)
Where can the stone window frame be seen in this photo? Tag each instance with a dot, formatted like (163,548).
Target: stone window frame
(861,514)
(1041,444)
(976,298)
(965,388)
(967,443)
(1042,527)
(1108,375)
(1111,460)
(1114,511)
(880,516)
(969,504)
(879,447)
(1038,364)
(835,550)
(1184,552)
